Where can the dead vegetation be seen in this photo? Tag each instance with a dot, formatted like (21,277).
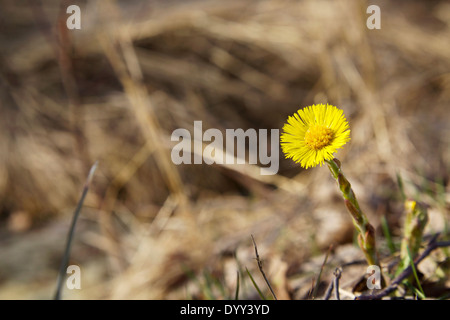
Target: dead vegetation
(116,89)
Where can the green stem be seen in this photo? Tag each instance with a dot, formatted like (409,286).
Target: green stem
(415,222)
(366,237)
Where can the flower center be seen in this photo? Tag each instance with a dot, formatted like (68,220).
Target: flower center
(318,136)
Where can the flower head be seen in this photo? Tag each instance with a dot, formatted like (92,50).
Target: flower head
(314,133)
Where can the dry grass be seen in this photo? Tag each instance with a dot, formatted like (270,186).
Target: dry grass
(116,89)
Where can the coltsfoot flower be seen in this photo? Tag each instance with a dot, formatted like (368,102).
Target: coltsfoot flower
(313,134)
(310,137)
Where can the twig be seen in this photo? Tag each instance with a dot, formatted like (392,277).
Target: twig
(65,258)
(261,268)
(329,291)
(335,283)
(432,245)
(337,276)
(316,287)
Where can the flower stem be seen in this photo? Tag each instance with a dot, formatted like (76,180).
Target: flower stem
(415,222)
(366,236)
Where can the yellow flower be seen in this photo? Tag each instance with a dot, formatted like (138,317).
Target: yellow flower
(313,134)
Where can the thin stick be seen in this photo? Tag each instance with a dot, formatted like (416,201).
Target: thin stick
(261,268)
(432,245)
(329,291)
(337,276)
(335,282)
(65,259)
(316,287)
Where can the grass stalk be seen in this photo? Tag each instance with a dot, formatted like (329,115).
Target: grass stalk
(70,236)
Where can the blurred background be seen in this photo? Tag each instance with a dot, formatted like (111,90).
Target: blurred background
(115,90)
